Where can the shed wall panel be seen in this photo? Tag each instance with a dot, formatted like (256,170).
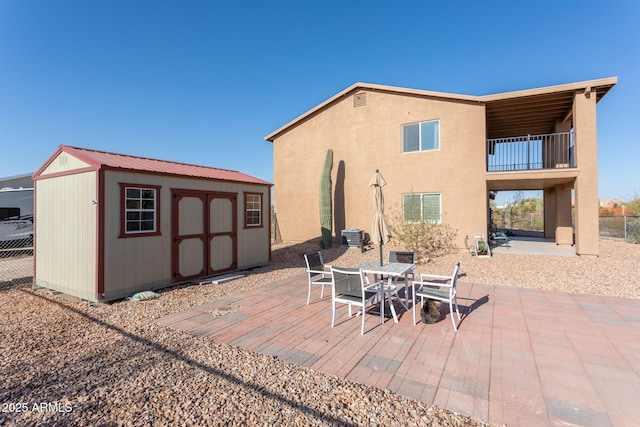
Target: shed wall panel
(65,238)
(137,263)
(134,263)
(254,244)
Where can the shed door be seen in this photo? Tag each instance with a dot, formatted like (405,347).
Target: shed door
(204,229)
(222,229)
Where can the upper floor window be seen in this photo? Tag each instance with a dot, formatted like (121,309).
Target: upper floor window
(252,210)
(426,207)
(140,209)
(424,136)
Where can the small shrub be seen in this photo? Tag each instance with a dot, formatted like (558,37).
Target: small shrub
(633,235)
(427,240)
(633,206)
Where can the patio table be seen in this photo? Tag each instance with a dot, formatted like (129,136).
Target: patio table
(392,270)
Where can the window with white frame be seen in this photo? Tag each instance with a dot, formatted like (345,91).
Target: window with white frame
(424,136)
(425,207)
(252,210)
(140,210)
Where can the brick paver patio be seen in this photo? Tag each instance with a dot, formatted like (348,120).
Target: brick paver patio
(520,357)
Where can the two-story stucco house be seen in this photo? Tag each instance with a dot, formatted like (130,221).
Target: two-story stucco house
(442,154)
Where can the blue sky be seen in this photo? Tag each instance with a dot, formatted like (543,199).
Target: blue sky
(204,81)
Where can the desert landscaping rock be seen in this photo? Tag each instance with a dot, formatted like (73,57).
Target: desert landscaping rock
(67,362)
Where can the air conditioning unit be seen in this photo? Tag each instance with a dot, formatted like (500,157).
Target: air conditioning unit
(352,237)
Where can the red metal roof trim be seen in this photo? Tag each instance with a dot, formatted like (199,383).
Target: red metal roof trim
(100,159)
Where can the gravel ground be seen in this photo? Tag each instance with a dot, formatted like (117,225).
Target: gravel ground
(69,362)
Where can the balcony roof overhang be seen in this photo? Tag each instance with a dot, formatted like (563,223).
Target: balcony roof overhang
(531,180)
(536,111)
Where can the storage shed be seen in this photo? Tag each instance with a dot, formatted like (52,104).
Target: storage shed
(109,225)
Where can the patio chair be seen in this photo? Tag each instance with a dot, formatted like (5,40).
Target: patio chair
(429,288)
(317,273)
(404,257)
(349,287)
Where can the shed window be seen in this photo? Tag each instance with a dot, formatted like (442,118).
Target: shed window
(253,210)
(140,210)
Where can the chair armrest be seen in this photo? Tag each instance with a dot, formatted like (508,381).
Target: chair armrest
(318,272)
(421,283)
(372,285)
(433,276)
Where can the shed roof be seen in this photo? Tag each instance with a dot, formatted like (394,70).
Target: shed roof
(531,111)
(125,162)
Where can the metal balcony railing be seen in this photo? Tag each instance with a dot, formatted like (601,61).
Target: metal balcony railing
(531,152)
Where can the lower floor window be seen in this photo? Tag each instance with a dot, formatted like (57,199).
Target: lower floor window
(425,207)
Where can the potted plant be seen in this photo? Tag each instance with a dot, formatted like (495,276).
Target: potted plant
(482,248)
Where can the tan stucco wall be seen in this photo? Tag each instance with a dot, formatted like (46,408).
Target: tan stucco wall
(564,227)
(549,203)
(369,137)
(586,186)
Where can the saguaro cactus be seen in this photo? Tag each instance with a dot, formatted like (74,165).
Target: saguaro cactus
(326,207)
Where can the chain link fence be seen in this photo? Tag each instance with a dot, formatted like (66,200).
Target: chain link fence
(625,227)
(529,221)
(276,237)
(16,261)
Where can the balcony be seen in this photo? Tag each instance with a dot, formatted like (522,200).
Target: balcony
(530,152)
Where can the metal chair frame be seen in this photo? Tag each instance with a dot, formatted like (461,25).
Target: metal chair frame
(317,273)
(349,287)
(429,288)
